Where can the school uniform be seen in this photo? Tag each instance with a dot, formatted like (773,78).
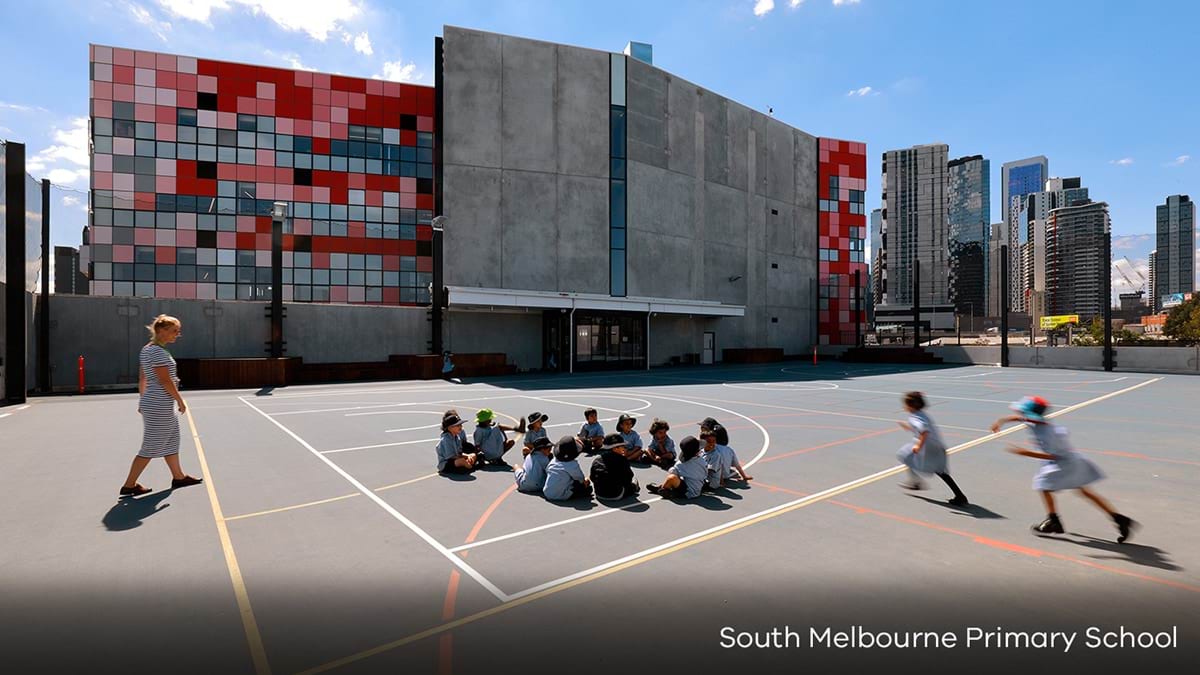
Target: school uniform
(591,430)
(532,474)
(666,446)
(718,463)
(693,473)
(632,440)
(534,434)
(490,441)
(1068,470)
(564,480)
(448,449)
(612,477)
(932,456)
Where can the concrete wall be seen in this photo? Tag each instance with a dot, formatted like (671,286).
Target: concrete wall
(526,127)
(677,335)
(109,331)
(519,335)
(1128,359)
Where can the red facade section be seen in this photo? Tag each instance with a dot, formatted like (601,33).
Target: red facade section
(842,228)
(189,154)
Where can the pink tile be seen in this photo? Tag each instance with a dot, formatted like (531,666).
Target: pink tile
(145,59)
(284,191)
(101,162)
(143,95)
(391,263)
(264,158)
(185,224)
(226,120)
(164,289)
(375,87)
(262,174)
(185,82)
(206,84)
(408,200)
(339,98)
(186,99)
(164,237)
(185,64)
(299,226)
(374,198)
(227,171)
(283,125)
(303,128)
(206,118)
(843,169)
(320,260)
(357,181)
(321,96)
(186,291)
(245,105)
(164,168)
(266,190)
(339,131)
(266,90)
(123,92)
(101,235)
(122,57)
(164,97)
(143,236)
(102,72)
(227,240)
(358,101)
(320,129)
(123,146)
(164,114)
(122,253)
(102,93)
(164,132)
(165,185)
(267,108)
(102,54)
(144,77)
(339,115)
(303,78)
(337,294)
(101,288)
(302,193)
(320,194)
(320,80)
(357,294)
(824,155)
(206,291)
(123,181)
(408,184)
(165,62)
(245,223)
(321,113)
(283,176)
(391,89)
(424,124)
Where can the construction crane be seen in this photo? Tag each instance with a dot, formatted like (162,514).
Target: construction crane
(1138,272)
(1116,264)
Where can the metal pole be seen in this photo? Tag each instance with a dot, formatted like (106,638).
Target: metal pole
(14,292)
(1004,306)
(1106,284)
(916,292)
(647,341)
(858,308)
(43,331)
(276,289)
(438,292)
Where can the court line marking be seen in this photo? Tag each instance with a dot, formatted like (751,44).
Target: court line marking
(394,412)
(531,595)
(591,396)
(249,624)
(370,494)
(330,499)
(830,412)
(386,405)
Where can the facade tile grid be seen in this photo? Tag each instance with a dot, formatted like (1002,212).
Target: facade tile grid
(842,232)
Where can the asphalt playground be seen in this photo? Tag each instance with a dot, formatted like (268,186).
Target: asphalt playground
(323,541)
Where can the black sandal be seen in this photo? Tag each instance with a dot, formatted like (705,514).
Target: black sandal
(185,482)
(136,491)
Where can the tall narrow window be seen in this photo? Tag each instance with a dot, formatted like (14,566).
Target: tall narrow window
(616,184)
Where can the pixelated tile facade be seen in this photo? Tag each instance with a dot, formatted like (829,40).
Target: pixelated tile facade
(189,154)
(842,228)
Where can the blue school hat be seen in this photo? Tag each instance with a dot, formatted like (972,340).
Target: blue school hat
(1032,408)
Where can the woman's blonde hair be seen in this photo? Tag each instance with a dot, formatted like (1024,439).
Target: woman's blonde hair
(162,322)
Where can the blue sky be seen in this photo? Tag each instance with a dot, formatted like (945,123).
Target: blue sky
(1106,90)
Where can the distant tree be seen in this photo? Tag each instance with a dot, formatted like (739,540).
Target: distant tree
(1094,337)
(1183,323)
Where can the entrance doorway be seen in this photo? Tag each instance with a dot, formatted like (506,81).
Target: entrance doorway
(556,340)
(609,340)
(708,353)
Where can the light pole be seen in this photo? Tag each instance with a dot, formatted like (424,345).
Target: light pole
(279,212)
(437,292)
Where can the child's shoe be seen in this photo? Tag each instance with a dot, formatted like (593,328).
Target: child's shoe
(1125,527)
(1051,525)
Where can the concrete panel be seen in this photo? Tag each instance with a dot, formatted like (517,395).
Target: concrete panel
(472,97)
(346,333)
(716,137)
(528,105)
(806,160)
(788,284)
(682,105)
(722,260)
(646,95)
(725,214)
(582,234)
(779,218)
(679,335)
(519,335)
(661,266)
(581,112)
(529,235)
(473,234)
(660,201)
(738,125)
(775,157)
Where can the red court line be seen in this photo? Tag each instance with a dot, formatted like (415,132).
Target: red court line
(993,543)
(1138,455)
(801,451)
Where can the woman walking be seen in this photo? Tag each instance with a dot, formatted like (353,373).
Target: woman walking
(159,395)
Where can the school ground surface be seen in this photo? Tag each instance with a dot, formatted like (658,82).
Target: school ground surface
(322,541)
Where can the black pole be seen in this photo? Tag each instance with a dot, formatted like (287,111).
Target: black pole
(43,351)
(916,291)
(14,290)
(437,292)
(858,308)
(1106,284)
(1004,305)
(276,288)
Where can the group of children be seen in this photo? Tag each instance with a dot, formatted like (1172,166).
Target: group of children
(705,464)
(1062,467)
(552,468)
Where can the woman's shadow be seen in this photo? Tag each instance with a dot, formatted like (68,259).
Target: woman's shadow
(129,513)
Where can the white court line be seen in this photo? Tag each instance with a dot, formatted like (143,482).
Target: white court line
(395,412)
(457,561)
(387,405)
(608,510)
(382,445)
(833,414)
(802,500)
(5,415)
(588,405)
(949,398)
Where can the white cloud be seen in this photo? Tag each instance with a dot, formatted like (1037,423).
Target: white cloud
(66,161)
(1124,161)
(1179,161)
(795,3)
(398,71)
(316,18)
(839,3)
(362,44)
(861,91)
(762,7)
(144,17)
(73,201)
(20,107)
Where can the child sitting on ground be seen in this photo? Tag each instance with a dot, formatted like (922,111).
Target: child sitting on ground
(612,477)
(661,449)
(591,433)
(722,436)
(532,474)
(535,420)
(564,477)
(633,442)
(451,455)
(490,438)
(686,478)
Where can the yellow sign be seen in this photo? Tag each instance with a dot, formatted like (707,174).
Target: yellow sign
(1053,322)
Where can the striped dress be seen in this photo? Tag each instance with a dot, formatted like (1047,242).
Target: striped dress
(160,425)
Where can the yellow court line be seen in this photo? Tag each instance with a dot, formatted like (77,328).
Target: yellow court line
(326,501)
(687,543)
(407,482)
(249,624)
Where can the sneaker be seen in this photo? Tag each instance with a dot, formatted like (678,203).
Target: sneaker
(1051,525)
(185,482)
(135,491)
(913,485)
(652,488)
(1125,527)
(960,500)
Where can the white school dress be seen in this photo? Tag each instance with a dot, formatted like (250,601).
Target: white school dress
(932,457)
(1068,470)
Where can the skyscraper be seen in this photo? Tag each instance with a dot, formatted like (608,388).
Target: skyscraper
(1075,261)
(1030,217)
(969,206)
(914,220)
(878,258)
(1175,270)
(1154,304)
(1018,179)
(996,262)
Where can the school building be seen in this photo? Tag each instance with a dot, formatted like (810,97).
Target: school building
(598,211)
